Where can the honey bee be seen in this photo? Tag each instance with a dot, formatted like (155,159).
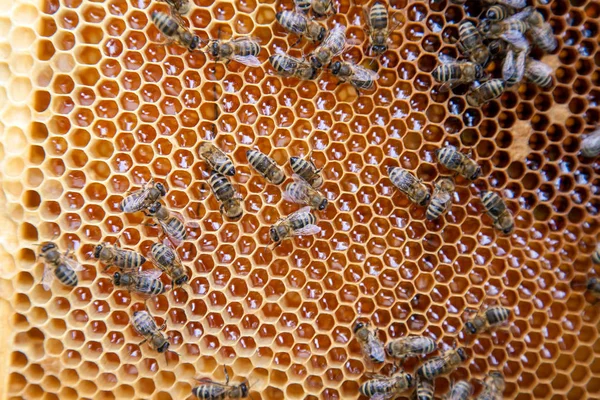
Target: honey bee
(383,387)
(462,164)
(410,346)
(441,201)
(125,260)
(64,267)
(493,387)
(407,183)
(231,201)
(289,66)
(593,285)
(211,390)
(265,166)
(167,261)
(217,160)
(487,320)
(497,210)
(303,6)
(179,7)
(301,26)
(298,223)
(513,68)
(499,12)
(172,223)
(541,31)
(461,390)
(371,346)
(485,92)
(302,193)
(359,77)
(470,43)
(174,32)
(512,30)
(243,50)
(146,326)
(143,198)
(590,145)
(378,22)
(424,390)
(307,171)
(322,8)
(453,73)
(538,73)
(332,46)
(144,283)
(442,365)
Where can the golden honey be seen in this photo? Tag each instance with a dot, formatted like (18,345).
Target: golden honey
(93,105)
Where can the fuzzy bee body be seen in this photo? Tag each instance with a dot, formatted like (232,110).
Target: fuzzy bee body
(493,387)
(243,50)
(497,210)
(371,346)
(454,160)
(265,166)
(322,8)
(539,73)
(593,285)
(168,261)
(301,222)
(424,390)
(307,171)
(66,275)
(211,390)
(125,260)
(471,44)
(387,387)
(299,24)
(441,200)
(452,73)
(410,346)
(289,66)
(302,193)
(146,326)
(359,77)
(590,145)
(488,319)
(231,202)
(461,390)
(541,32)
(485,92)
(378,22)
(216,158)
(441,365)
(332,46)
(145,283)
(171,224)
(513,68)
(171,29)
(61,265)
(499,12)
(408,184)
(143,198)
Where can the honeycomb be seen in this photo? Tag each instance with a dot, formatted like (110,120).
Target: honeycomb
(93,105)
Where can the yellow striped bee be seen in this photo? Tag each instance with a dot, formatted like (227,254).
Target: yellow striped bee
(407,183)
(62,265)
(231,201)
(243,50)
(332,46)
(265,166)
(378,22)
(211,390)
(461,390)
(513,67)
(424,390)
(322,8)
(300,192)
(301,26)
(125,260)
(359,77)
(289,66)
(174,32)
(371,346)
(146,326)
(171,222)
(590,145)
(307,170)
(168,261)
(462,164)
(144,283)
(497,210)
(298,223)
(499,12)
(143,198)
(217,160)
(410,346)
(452,73)
(470,43)
(441,201)
(442,365)
(383,387)
(541,31)
(485,92)
(538,73)
(493,387)
(484,321)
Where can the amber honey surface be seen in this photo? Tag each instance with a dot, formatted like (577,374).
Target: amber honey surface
(92,105)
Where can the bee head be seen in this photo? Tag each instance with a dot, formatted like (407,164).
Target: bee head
(335,68)
(153,209)
(274,234)
(314,60)
(245,389)
(508,229)
(380,48)
(591,283)
(461,353)
(161,189)
(117,278)
(181,280)
(48,246)
(163,347)
(194,43)
(98,250)
(358,325)
(214,49)
(470,328)
(323,205)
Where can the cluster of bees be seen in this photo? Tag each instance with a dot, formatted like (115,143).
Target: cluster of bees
(381,387)
(505,33)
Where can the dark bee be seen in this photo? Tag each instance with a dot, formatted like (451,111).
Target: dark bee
(332,46)
(289,66)
(410,346)
(538,73)
(167,261)
(378,23)
(143,198)
(125,260)
(454,160)
(211,390)
(408,184)
(590,145)
(307,171)
(493,387)
(171,222)
(485,92)
(385,387)
(265,166)
(470,43)
(486,320)
(359,77)
(174,32)
(146,326)
(144,283)
(64,267)
(231,202)
(302,193)
(453,73)
(498,12)
(243,50)
(217,160)
(322,8)
(441,201)
(441,365)
(424,390)
(300,25)
(461,390)
(371,346)
(299,223)
(497,210)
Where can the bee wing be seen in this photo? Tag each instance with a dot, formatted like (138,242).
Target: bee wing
(382,396)
(517,39)
(520,65)
(539,68)
(364,74)
(139,198)
(250,61)
(330,39)
(514,3)
(150,274)
(521,15)
(240,39)
(47,277)
(508,67)
(444,87)
(446,59)
(307,230)
(72,263)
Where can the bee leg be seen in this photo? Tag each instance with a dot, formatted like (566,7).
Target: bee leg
(226,375)
(297,41)
(142,342)
(163,326)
